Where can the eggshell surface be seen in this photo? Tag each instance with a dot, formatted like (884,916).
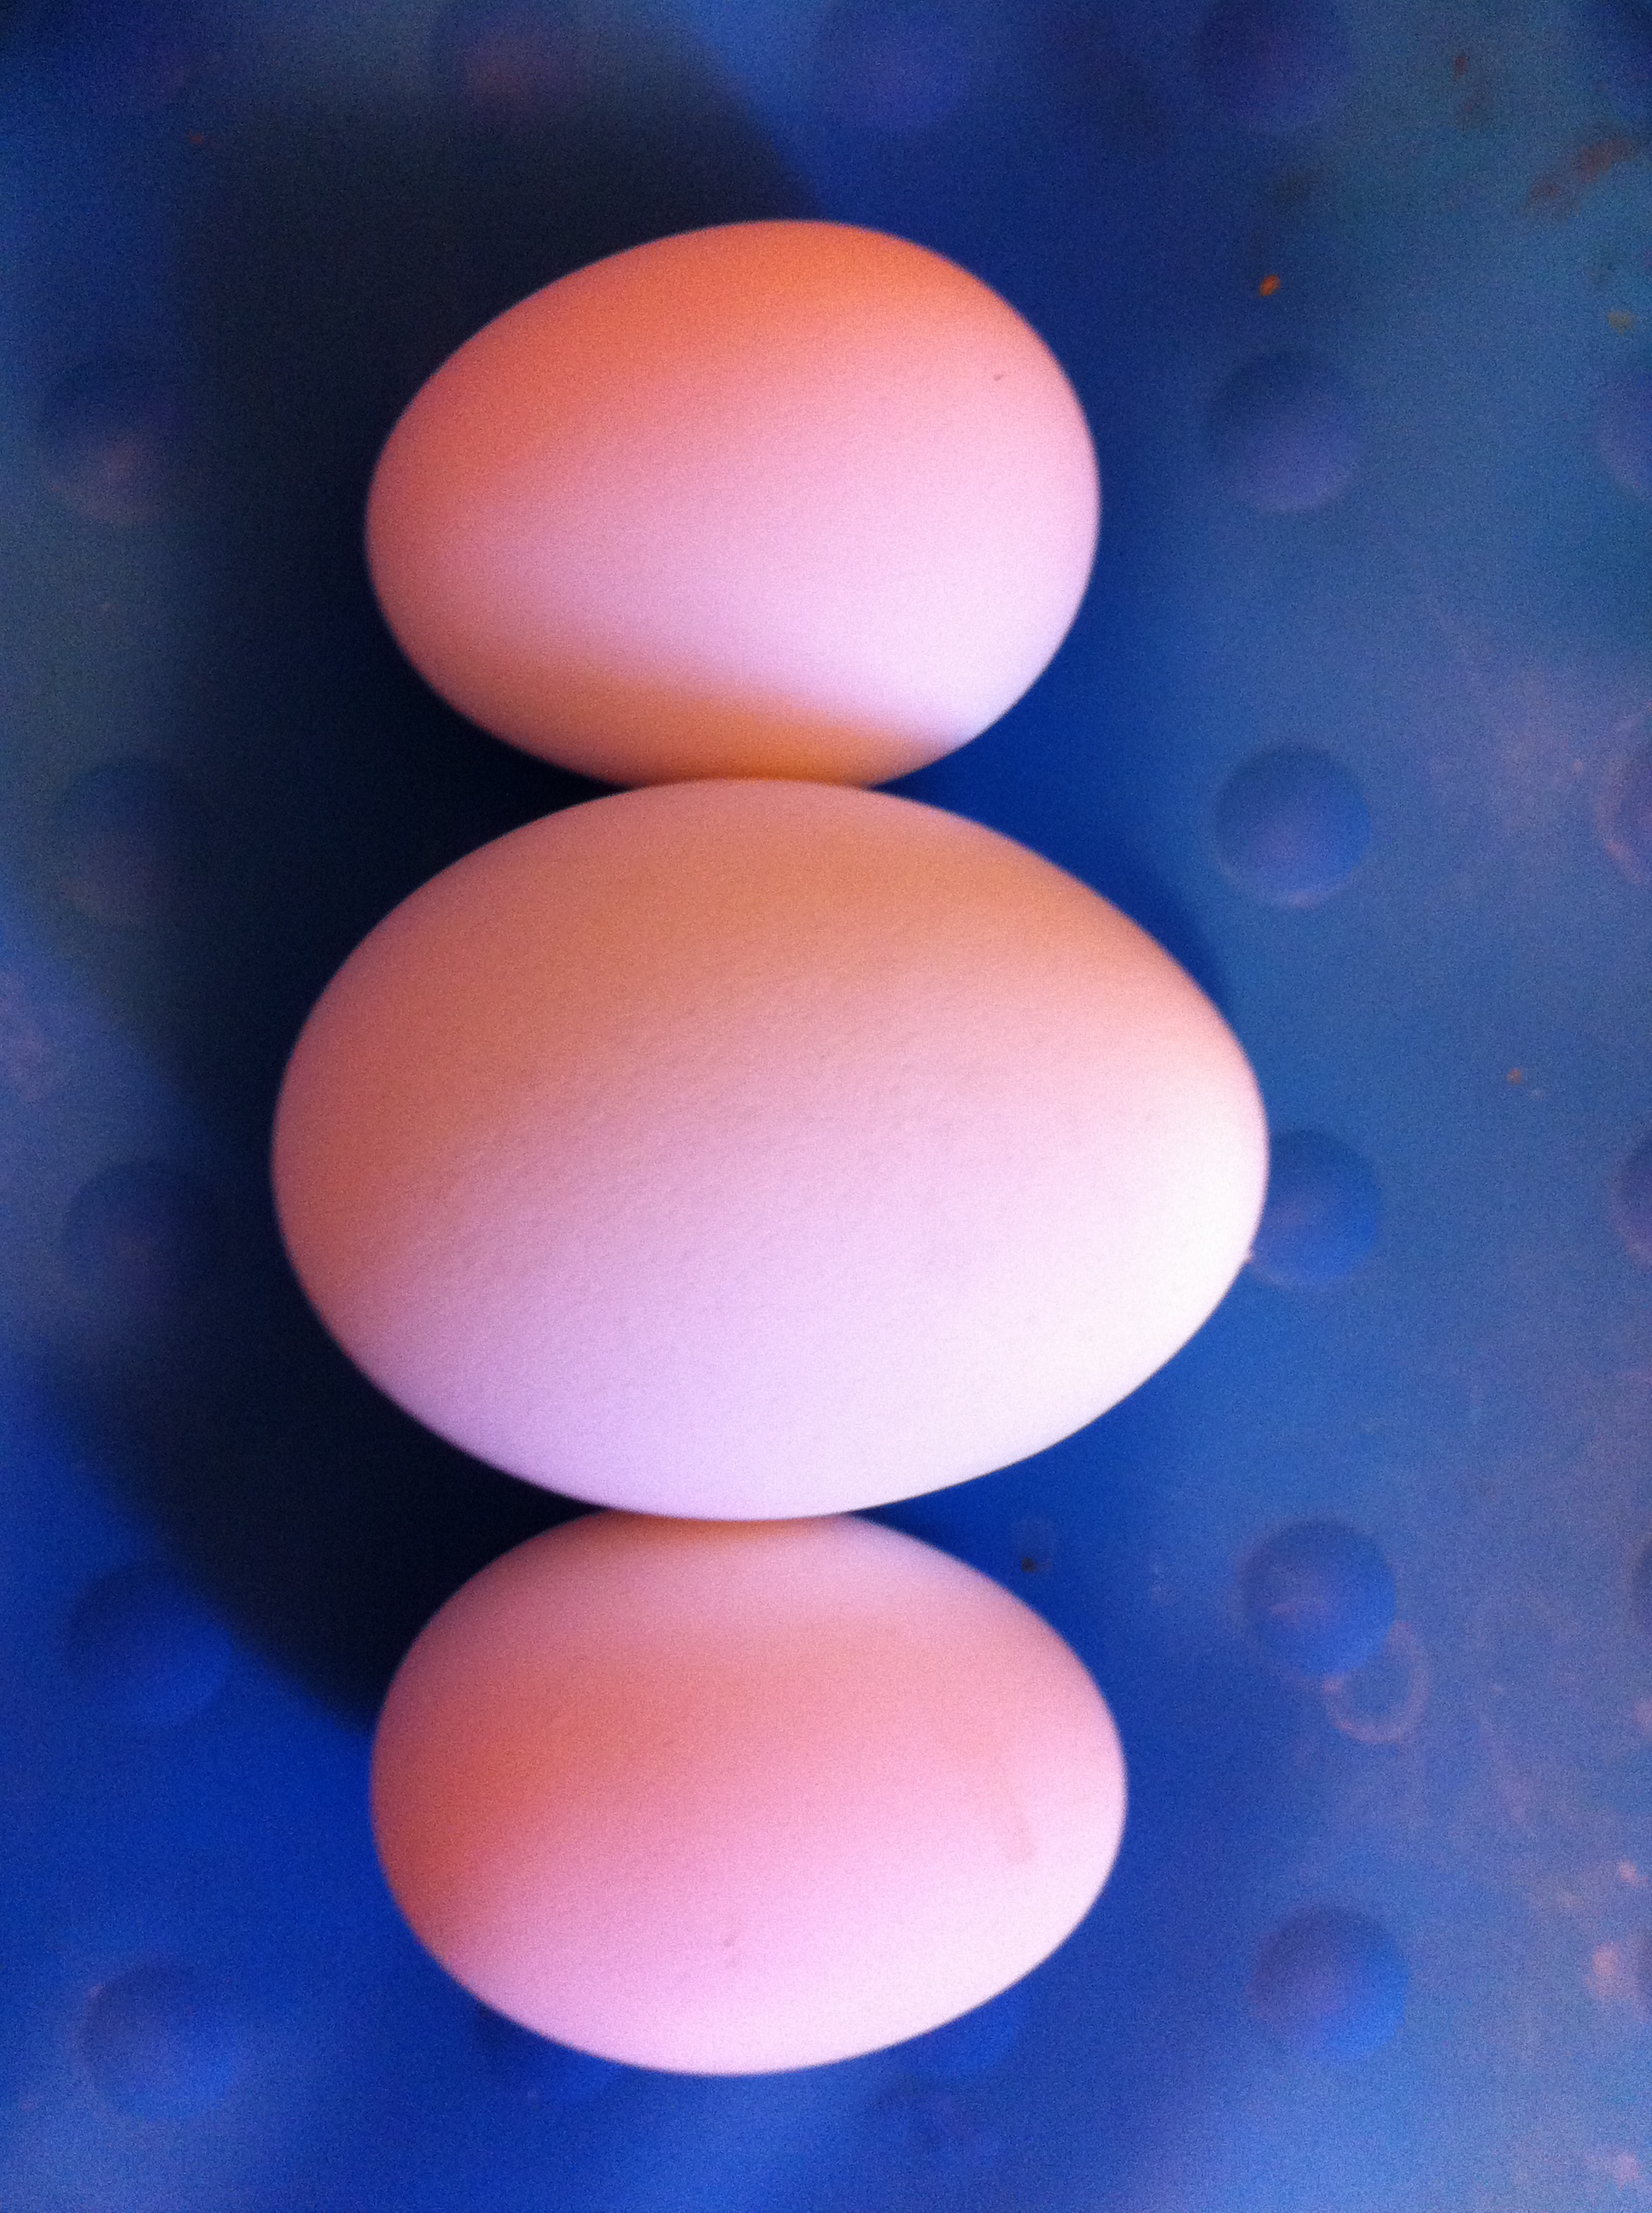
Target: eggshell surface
(724,1798)
(789,499)
(755,1149)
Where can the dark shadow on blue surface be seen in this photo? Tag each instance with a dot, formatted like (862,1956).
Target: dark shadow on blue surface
(326,258)
(345,257)
(325,1524)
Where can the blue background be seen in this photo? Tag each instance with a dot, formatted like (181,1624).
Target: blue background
(1357,717)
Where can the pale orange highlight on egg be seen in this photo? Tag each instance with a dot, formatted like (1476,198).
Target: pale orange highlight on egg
(728,1798)
(770,499)
(756,1149)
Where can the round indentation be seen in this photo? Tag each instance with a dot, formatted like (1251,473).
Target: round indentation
(976,2045)
(129,844)
(939,2131)
(512,64)
(893,65)
(124,57)
(1283,434)
(1330,1983)
(1383,1701)
(1623,432)
(144,1646)
(1615,1975)
(538,2071)
(1090,67)
(143,1233)
(1290,826)
(114,442)
(1623,45)
(1640,1591)
(1640,1969)
(161,2042)
(1631,1202)
(1626,815)
(1275,64)
(1318,1597)
(1322,1215)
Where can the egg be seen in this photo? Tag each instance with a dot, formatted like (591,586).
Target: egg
(752,1149)
(724,1798)
(775,499)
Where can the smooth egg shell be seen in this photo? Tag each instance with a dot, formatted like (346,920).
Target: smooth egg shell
(770,499)
(757,1149)
(725,1798)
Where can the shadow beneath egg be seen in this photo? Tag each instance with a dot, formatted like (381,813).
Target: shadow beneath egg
(325,246)
(326,1525)
(345,257)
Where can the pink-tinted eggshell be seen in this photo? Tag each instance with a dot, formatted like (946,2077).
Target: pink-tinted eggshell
(760,1148)
(770,499)
(726,1798)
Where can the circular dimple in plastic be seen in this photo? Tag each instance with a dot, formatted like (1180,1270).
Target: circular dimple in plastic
(1290,826)
(1640,1591)
(113,441)
(141,1644)
(510,64)
(1626,815)
(1090,69)
(894,65)
(538,2071)
(1624,431)
(1322,1213)
(1631,1202)
(129,844)
(1639,1965)
(1330,1983)
(939,2132)
(1384,1700)
(1318,1597)
(1283,434)
(1622,33)
(975,2044)
(126,57)
(161,2042)
(1275,64)
(143,1233)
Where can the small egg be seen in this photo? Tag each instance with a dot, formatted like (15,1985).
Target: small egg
(755,1149)
(724,1798)
(774,499)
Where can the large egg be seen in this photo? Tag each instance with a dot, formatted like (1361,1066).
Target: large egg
(761,1149)
(727,1797)
(773,499)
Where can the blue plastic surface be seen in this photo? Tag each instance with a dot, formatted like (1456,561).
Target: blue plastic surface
(1357,298)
